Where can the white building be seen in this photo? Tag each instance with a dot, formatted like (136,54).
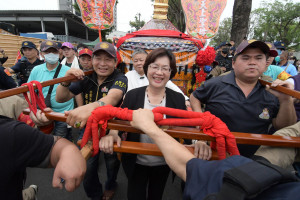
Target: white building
(53,16)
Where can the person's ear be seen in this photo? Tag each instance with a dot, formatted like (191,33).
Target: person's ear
(233,62)
(43,55)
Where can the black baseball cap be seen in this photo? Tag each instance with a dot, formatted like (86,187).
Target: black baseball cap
(28,44)
(252,43)
(59,44)
(107,47)
(279,45)
(47,44)
(225,44)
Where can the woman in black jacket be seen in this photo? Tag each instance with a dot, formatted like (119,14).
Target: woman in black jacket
(147,175)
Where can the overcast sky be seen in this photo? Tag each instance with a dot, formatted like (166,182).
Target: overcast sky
(126,9)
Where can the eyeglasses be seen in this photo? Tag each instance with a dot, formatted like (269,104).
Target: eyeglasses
(156,68)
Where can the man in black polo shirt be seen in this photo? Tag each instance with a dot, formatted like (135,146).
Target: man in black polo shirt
(105,86)
(25,65)
(240,101)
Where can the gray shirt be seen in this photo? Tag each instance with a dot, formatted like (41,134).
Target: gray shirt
(146,159)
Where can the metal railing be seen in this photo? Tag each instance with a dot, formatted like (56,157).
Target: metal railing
(71,39)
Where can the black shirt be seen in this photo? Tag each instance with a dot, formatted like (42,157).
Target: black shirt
(6,82)
(206,178)
(3,60)
(68,64)
(224,98)
(21,146)
(24,67)
(224,62)
(92,91)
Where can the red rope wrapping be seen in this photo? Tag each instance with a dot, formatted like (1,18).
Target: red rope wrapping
(210,124)
(36,99)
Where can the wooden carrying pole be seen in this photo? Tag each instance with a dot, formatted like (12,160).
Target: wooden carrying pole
(22,89)
(180,132)
(183,132)
(282,89)
(126,146)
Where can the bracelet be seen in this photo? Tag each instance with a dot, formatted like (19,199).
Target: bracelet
(67,85)
(101,103)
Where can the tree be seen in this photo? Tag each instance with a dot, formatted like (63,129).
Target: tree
(278,21)
(223,33)
(76,8)
(137,24)
(176,15)
(240,20)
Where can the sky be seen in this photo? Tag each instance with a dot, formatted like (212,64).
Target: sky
(126,9)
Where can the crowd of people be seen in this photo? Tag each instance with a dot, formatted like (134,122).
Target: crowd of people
(231,92)
(281,63)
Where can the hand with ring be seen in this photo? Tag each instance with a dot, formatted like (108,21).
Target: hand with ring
(77,124)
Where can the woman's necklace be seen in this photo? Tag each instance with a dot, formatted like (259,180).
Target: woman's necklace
(149,98)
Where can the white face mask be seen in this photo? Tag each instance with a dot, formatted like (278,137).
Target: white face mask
(51,58)
(291,61)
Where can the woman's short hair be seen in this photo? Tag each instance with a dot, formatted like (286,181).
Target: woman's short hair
(139,51)
(158,53)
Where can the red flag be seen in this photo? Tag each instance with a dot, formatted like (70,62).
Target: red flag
(19,56)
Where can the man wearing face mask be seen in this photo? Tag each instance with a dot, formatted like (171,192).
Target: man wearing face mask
(285,65)
(280,46)
(223,57)
(49,70)
(293,60)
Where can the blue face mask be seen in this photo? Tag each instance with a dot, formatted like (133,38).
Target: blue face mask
(51,58)
(279,51)
(277,59)
(291,61)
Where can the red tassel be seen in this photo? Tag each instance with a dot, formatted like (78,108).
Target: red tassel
(206,57)
(211,125)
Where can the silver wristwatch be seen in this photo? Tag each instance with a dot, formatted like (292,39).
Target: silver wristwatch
(101,103)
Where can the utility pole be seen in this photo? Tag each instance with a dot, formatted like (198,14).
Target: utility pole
(139,14)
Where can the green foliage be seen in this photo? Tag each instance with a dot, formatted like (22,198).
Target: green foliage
(137,23)
(223,33)
(176,14)
(277,21)
(106,32)
(109,41)
(77,9)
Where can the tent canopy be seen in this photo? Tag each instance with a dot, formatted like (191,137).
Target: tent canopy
(92,43)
